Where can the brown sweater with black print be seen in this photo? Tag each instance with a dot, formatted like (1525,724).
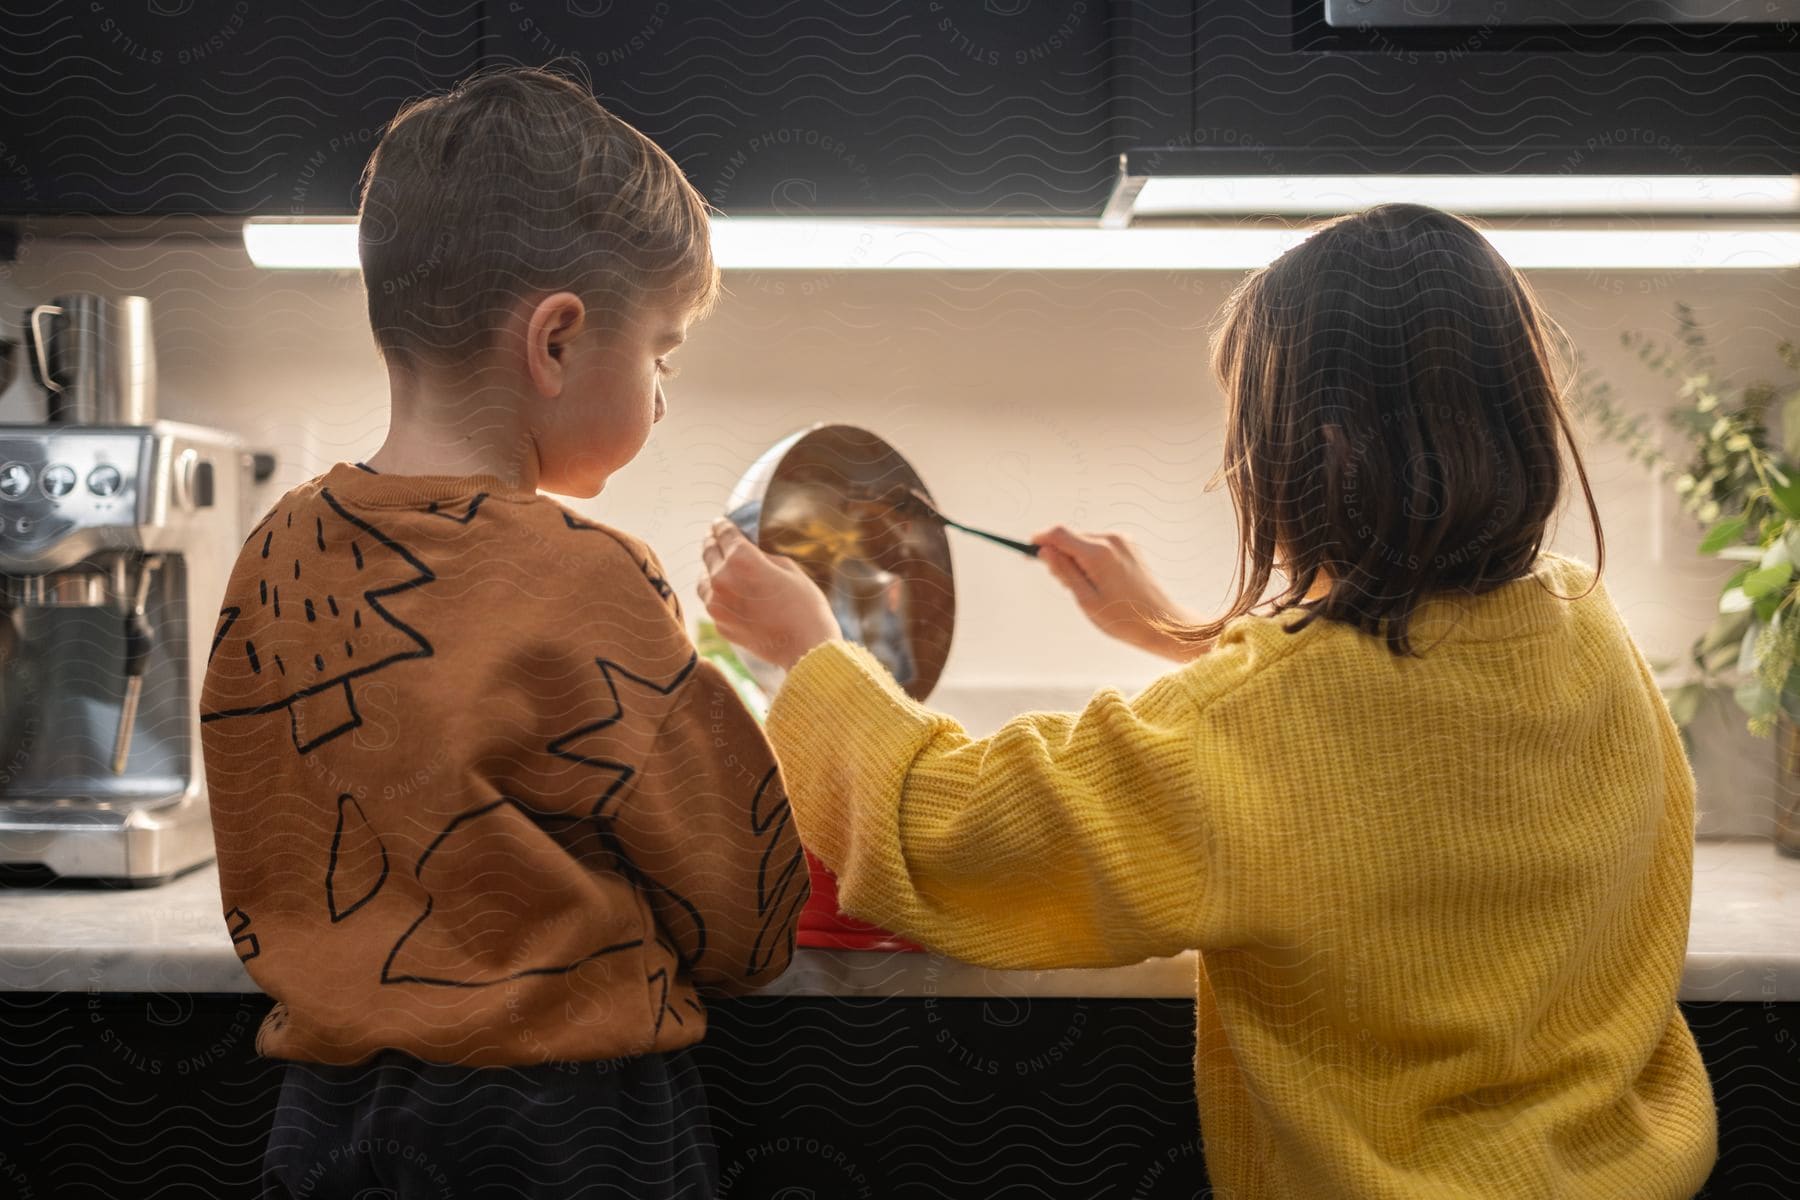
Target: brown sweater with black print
(474,795)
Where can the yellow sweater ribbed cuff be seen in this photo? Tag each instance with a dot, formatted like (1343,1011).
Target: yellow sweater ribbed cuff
(844,731)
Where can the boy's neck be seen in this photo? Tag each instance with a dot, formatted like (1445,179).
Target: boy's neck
(437,428)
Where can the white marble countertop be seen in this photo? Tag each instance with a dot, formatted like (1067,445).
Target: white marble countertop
(1743,945)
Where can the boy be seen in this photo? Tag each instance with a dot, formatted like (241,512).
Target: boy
(486,825)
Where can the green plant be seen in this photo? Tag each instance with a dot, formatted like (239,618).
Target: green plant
(1742,485)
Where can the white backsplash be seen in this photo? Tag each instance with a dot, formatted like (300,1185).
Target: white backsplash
(1023,400)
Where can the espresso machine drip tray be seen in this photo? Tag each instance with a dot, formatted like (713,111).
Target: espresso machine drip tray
(130,847)
(115,543)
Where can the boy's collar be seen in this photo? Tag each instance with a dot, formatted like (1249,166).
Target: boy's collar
(365,485)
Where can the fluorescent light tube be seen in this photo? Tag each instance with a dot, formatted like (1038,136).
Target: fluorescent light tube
(845,244)
(303,244)
(1648,249)
(784,244)
(1303,195)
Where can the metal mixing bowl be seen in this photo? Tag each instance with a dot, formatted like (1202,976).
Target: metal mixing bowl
(834,499)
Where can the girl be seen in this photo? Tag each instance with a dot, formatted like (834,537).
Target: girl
(1421,810)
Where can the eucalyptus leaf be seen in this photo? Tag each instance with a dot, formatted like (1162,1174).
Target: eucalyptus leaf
(1725,631)
(1787,498)
(1755,699)
(1718,658)
(1725,533)
(1746,663)
(1764,581)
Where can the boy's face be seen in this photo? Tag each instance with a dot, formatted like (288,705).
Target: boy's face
(611,394)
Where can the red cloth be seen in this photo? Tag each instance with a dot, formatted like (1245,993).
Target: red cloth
(823,926)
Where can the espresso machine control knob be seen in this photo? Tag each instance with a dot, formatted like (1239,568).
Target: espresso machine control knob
(15,480)
(104,480)
(58,480)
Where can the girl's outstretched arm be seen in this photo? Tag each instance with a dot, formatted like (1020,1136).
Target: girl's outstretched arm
(1064,840)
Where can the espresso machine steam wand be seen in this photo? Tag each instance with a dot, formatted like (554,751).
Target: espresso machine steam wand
(140,639)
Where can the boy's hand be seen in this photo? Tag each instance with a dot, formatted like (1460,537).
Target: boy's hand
(763,602)
(1115,589)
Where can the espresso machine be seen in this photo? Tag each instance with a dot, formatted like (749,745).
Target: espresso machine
(117,532)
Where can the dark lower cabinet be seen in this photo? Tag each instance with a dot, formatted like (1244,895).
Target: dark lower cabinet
(106,1095)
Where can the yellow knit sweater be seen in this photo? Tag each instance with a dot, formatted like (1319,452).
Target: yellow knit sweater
(1441,902)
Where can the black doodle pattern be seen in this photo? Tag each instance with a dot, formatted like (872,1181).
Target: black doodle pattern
(227,618)
(317,694)
(645,562)
(358,863)
(692,927)
(237,922)
(781,879)
(397,969)
(660,980)
(468,513)
(780,883)
(564,746)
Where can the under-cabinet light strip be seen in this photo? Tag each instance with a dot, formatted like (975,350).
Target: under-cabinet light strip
(847,244)
(1565,195)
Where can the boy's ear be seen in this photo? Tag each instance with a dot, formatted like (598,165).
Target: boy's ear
(549,326)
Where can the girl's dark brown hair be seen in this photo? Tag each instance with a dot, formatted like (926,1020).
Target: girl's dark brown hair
(1395,424)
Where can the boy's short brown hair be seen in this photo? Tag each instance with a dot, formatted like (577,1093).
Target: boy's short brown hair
(517,182)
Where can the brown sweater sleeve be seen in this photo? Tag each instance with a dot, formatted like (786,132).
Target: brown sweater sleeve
(701,822)
(712,835)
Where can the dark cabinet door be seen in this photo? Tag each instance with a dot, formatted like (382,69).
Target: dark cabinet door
(986,108)
(211,106)
(1686,100)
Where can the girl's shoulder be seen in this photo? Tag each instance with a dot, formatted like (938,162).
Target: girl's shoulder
(1551,564)
(1560,598)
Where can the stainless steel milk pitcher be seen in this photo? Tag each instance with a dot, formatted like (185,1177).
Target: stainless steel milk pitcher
(95,358)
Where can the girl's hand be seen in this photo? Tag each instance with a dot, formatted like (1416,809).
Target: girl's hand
(763,602)
(1109,581)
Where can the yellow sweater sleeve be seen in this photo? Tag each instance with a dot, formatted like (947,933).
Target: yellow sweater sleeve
(1063,840)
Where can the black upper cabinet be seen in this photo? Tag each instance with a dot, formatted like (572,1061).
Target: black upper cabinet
(211,106)
(1002,107)
(1703,99)
(233,107)
(968,107)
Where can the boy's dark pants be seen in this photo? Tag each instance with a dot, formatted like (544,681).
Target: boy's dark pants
(397,1127)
